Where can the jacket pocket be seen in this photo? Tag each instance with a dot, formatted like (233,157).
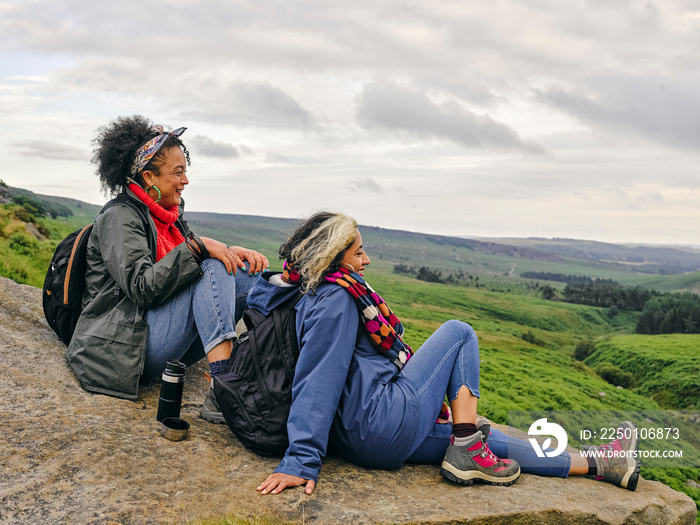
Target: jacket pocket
(107,354)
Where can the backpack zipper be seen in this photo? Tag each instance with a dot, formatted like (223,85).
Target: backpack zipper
(238,402)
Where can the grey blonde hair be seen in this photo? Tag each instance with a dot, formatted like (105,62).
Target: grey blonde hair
(318,245)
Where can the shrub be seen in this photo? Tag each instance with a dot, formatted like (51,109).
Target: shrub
(548,292)
(23,214)
(19,275)
(614,375)
(429,275)
(531,338)
(584,349)
(23,244)
(44,230)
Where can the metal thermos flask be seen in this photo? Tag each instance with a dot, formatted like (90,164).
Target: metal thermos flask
(171,386)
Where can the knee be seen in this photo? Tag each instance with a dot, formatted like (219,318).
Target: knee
(213,266)
(460,330)
(216,270)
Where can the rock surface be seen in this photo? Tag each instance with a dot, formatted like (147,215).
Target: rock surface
(68,456)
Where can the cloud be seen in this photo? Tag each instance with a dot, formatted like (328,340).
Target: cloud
(660,109)
(49,150)
(366,184)
(391,107)
(244,103)
(208,147)
(264,103)
(276,158)
(604,87)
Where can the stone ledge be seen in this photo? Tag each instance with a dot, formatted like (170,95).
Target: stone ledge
(67,456)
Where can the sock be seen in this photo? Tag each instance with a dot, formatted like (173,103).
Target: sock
(461,431)
(217,368)
(592,468)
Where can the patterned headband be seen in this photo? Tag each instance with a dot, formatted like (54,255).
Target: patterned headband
(146,152)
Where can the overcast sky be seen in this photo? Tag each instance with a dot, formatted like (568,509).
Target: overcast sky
(503,118)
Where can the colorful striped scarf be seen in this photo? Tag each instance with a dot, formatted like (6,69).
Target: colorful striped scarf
(382,325)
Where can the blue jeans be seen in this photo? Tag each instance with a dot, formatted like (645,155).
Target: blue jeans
(197,318)
(448,360)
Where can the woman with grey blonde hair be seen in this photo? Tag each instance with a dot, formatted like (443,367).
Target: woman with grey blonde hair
(359,387)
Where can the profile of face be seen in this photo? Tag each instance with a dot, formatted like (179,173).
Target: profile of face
(355,258)
(170,179)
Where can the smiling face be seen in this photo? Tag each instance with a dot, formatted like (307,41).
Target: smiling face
(355,258)
(170,179)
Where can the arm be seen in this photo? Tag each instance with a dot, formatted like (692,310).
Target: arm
(233,257)
(123,243)
(327,342)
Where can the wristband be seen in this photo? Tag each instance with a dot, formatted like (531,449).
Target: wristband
(195,252)
(203,252)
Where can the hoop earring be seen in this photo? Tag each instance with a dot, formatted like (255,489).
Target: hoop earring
(159,193)
(351,266)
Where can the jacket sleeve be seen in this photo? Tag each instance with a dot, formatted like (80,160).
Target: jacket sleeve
(327,343)
(123,243)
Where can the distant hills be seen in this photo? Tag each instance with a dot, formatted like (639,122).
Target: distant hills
(660,267)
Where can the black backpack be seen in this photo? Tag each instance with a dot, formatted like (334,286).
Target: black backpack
(255,392)
(65,279)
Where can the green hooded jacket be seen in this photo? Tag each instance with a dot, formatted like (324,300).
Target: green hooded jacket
(122,281)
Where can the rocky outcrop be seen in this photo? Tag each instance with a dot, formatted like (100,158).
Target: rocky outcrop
(67,456)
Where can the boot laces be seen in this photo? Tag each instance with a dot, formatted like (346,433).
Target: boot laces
(486,452)
(609,447)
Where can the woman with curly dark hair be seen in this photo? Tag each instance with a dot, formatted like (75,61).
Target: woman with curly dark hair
(154,290)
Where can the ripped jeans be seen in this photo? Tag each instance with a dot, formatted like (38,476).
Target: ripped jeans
(447,360)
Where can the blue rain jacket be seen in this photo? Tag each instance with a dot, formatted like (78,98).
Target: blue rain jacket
(340,390)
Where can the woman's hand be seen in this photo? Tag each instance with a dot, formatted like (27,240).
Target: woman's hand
(234,257)
(277,482)
(218,250)
(258,262)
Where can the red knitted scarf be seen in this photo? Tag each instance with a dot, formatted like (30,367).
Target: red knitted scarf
(167,234)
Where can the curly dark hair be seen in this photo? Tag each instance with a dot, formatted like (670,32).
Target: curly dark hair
(115,146)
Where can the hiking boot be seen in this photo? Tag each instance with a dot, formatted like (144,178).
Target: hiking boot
(616,462)
(210,409)
(474,461)
(485,428)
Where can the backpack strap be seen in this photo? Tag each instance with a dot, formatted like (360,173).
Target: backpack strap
(123,199)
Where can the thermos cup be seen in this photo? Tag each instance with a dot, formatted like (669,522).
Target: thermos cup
(173,381)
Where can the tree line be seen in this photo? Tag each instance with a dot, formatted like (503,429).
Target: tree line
(671,314)
(606,293)
(662,313)
(557,277)
(434,275)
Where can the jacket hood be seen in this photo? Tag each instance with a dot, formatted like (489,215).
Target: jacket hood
(265,296)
